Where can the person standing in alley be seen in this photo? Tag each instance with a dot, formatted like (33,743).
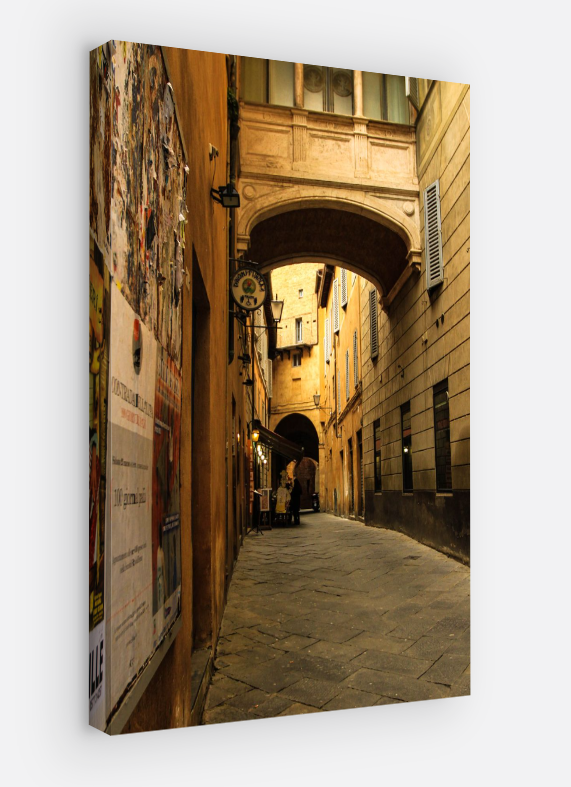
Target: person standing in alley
(295,500)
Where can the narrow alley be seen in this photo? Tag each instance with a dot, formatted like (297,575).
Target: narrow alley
(331,615)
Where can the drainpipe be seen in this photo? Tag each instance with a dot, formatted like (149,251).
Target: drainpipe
(234,130)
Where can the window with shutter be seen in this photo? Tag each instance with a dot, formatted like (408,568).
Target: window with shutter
(411,90)
(298,330)
(330,335)
(326,339)
(339,391)
(343,287)
(347,375)
(336,306)
(374,326)
(355,359)
(433,236)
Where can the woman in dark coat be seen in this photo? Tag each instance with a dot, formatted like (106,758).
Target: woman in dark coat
(295,500)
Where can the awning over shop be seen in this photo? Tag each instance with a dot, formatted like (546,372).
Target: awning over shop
(279,444)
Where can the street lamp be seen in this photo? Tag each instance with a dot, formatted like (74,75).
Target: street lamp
(227,196)
(277,309)
(317,399)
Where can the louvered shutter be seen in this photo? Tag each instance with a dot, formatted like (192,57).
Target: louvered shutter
(343,287)
(433,236)
(347,375)
(326,338)
(336,306)
(373,323)
(339,391)
(355,359)
(330,335)
(411,90)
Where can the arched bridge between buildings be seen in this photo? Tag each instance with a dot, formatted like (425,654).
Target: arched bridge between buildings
(315,186)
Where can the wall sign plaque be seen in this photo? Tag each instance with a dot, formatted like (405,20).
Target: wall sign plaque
(249,289)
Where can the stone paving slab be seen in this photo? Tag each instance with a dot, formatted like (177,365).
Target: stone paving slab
(332,615)
(312,692)
(352,698)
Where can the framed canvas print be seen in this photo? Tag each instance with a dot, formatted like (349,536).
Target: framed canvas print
(279,388)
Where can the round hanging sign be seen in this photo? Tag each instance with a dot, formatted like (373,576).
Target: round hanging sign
(249,289)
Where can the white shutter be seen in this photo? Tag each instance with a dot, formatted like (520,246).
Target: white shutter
(330,335)
(373,321)
(347,375)
(411,90)
(336,306)
(343,287)
(433,236)
(355,359)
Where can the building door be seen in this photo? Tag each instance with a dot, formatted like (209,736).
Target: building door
(351,485)
(361,472)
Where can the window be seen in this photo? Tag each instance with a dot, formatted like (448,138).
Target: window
(343,287)
(384,97)
(301,293)
(339,391)
(328,89)
(442,437)
(268,81)
(377,451)
(433,236)
(296,359)
(406,448)
(373,323)
(326,339)
(298,330)
(336,306)
(347,375)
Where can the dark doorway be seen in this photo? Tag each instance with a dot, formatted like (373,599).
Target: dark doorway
(201,464)
(351,484)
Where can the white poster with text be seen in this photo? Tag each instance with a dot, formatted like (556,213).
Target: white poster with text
(132,396)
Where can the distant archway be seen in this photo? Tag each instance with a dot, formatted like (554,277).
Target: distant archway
(305,472)
(299,429)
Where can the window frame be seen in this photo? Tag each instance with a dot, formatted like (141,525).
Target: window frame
(439,388)
(298,330)
(377,453)
(406,442)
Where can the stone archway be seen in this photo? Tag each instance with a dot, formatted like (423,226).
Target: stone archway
(299,429)
(307,472)
(380,245)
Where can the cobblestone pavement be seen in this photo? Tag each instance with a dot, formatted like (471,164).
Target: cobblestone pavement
(331,615)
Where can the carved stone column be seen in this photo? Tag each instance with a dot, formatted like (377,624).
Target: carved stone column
(298,85)
(358,93)
(299,135)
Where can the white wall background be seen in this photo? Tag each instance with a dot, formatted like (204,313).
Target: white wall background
(511,730)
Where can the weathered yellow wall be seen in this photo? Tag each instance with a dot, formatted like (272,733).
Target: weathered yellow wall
(346,421)
(199,80)
(294,386)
